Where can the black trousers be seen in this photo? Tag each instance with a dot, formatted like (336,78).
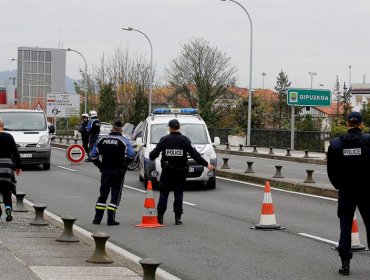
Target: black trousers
(6,190)
(171,180)
(111,182)
(85,142)
(347,202)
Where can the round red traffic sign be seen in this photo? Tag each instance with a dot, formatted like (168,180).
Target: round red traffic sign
(75,153)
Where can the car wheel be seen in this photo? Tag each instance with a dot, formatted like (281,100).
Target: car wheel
(211,184)
(46,166)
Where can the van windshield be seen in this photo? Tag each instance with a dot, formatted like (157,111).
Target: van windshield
(195,132)
(23,121)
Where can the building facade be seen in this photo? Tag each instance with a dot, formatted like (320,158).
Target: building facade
(360,94)
(40,71)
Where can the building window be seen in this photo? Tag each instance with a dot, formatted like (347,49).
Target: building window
(40,56)
(48,56)
(47,68)
(26,55)
(40,67)
(34,55)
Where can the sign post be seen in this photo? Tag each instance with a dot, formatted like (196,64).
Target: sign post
(75,154)
(306,97)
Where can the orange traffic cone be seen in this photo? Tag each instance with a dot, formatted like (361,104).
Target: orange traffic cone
(355,237)
(149,219)
(268,219)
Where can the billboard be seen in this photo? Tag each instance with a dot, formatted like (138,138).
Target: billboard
(63,105)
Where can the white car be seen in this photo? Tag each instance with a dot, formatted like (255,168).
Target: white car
(105,128)
(192,126)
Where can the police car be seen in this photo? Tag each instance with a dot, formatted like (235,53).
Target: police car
(192,126)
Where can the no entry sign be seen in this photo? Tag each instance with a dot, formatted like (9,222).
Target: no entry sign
(75,153)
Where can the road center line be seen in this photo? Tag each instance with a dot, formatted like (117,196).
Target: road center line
(280,190)
(142,191)
(318,238)
(66,168)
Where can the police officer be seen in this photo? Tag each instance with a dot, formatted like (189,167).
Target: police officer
(174,148)
(348,163)
(84,133)
(116,150)
(8,155)
(93,128)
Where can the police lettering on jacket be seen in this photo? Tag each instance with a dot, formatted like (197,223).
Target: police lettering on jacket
(352,152)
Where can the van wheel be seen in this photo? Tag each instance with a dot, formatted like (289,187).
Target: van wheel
(46,166)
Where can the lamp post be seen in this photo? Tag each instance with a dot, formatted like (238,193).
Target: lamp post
(86,77)
(151,64)
(312,74)
(263,79)
(250,74)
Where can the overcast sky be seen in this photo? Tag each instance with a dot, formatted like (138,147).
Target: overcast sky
(298,36)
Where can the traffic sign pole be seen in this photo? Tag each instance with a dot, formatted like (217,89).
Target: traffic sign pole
(292,128)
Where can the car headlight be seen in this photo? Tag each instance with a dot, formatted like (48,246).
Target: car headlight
(43,141)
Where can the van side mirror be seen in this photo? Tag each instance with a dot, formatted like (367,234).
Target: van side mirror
(217,141)
(51,128)
(139,141)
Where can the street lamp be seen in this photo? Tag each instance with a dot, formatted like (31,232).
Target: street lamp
(263,79)
(86,77)
(151,64)
(312,74)
(250,75)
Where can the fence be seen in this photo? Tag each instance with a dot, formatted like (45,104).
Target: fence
(303,140)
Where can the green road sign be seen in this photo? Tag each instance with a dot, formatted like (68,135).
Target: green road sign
(309,97)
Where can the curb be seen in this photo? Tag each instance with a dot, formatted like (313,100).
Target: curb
(86,237)
(292,185)
(277,157)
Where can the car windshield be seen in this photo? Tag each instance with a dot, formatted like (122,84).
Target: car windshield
(23,121)
(195,132)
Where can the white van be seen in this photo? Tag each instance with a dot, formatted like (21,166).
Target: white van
(31,134)
(192,126)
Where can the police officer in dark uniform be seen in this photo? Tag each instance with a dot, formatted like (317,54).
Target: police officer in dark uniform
(174,148)
(348,162)
(116,150)
(84,133)
(93,128)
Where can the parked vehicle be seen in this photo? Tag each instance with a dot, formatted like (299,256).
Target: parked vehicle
(31,132)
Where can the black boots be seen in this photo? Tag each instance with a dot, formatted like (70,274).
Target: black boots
(98,216)
(8,212)
(344,270)
(178,219)
(112,218)
(160,218)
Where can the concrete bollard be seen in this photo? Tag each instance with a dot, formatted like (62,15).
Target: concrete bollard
(288,153)
(100,255)
(39,215)
(271,152)
(225,165)
(278,173)
(19,206)
(306,154)
(249,169)
(75,140)
(227,147)
(326,156)
(240,148)
(149,266)
(255,149)
(61,139)
(67,138)
(309,178)
(67,235)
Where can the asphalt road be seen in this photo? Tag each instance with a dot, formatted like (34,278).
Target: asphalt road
(215,242)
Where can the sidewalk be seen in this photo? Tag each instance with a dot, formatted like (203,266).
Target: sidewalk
(32,252)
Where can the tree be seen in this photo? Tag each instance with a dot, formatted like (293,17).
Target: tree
(107,103)
(337,94)
(282,84)
(201,74)
(345,103)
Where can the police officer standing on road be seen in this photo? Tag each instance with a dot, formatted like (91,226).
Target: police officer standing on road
(9,158)
(174,148)
(348,163)
(93,128)
(116,150)
(84,133)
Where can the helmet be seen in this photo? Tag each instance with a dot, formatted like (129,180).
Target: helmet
(85,115)
(93,113)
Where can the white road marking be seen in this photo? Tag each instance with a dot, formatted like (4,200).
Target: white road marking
(142,191)
(280,190)
(69,169)
(318,238)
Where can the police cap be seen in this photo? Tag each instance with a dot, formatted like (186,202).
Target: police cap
(354,117)
(174,123)
(118,124)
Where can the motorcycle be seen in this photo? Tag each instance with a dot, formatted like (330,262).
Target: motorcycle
(135,133)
